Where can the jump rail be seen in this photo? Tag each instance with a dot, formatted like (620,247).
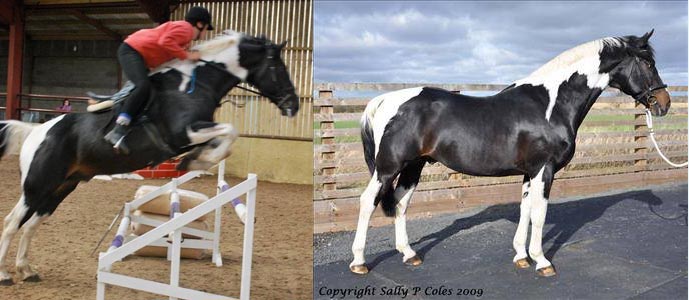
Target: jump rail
(174,229)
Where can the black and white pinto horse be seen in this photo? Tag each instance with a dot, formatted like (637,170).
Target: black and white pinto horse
(527,129)
(64,151)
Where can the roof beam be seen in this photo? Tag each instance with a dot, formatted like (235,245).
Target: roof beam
(158,10)
(95,23)
(109,22)
(58,11)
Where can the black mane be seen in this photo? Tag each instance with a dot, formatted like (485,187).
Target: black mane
(629,45)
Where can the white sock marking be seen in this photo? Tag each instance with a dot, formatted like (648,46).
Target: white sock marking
(401,237)
(366,209)
(539,207)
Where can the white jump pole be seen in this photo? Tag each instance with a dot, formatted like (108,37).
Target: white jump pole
(248,243)
(217,258)
(174,228)
(174,252)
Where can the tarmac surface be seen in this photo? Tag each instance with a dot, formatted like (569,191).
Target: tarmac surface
(626,245)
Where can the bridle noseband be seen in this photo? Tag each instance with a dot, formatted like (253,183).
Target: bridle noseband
(648,95)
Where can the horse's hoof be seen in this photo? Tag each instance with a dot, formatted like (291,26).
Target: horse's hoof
(522,263)
(414,261)
(548,271)
(6,282)
(359,269)
(33,278)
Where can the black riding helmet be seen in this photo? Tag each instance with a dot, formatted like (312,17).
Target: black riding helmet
(198,14)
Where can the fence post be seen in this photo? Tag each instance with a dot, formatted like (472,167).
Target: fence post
(327,109)
(640,138)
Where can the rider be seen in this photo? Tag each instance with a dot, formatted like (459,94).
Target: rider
(150,48)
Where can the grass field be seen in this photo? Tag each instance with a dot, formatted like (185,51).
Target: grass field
(658,125)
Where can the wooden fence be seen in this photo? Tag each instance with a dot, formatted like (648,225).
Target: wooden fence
(290,21)
(613,152)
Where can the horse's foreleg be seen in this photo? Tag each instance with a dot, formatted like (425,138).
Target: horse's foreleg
(11,226)
(366,209)
(409,178)
(201,132)
(215,151)
(519,242)
(539,193)
(218,138)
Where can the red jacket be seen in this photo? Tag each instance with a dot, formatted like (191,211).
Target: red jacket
(163,43)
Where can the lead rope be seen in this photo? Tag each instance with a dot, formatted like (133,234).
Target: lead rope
(649,123)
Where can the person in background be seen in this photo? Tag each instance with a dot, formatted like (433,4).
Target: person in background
(149,48)
(65,107)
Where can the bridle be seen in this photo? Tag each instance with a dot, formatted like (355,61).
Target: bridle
(267,65)
(648,95)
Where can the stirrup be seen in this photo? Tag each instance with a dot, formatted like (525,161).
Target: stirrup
(121,147)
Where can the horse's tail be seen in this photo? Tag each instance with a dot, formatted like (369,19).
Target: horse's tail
(368,142)
(385,195)
(367,138)
(12,136)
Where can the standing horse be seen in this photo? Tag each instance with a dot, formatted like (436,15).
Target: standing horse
(527,129)
(59,154)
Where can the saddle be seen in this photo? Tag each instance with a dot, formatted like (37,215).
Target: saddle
(105,103)
(102,103)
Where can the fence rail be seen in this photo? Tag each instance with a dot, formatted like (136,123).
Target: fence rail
(613,151)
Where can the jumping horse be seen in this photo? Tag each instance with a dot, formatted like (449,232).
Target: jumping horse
(528,129)
(59,154)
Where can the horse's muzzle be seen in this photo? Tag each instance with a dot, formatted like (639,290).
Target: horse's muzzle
(659,103)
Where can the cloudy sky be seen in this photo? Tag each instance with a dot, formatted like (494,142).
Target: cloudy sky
(481,42)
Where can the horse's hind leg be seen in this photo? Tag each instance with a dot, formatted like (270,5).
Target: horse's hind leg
(409,178)
(11,226)
(519,243)
(366,208)
(24,269)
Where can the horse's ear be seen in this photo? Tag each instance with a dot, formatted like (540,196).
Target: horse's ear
(282,45)
(644,39)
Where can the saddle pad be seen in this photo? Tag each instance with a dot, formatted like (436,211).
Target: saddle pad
(100,106)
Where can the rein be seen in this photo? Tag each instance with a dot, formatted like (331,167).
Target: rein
(264,68)
(649,123)
(214,66)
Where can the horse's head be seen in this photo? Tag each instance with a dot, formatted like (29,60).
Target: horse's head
(267,72)
(637,76)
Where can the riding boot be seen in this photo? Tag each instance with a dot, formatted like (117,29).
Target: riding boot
(116,138)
